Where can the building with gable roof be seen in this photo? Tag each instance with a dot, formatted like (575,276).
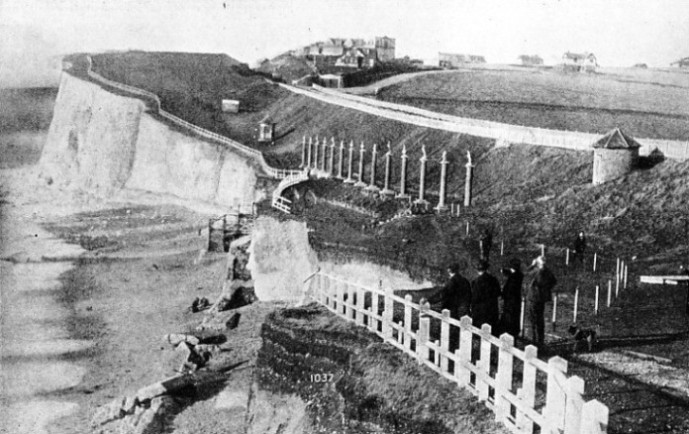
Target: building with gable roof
(579,62)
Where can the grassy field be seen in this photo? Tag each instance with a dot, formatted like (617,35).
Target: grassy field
(652,104)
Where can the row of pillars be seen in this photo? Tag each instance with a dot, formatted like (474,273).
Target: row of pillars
(314,156)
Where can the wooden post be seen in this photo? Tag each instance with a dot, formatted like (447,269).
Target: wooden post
(349,179)
(387,314)
(567,257)
(595,306)
(503,377)
(436,355)
(576,305)
(407,320)
(350,301)
(403,175)
(626,272)
(555,394)
(467,228)
(594,417)
(484,362)
(521,319)
(360,299)
(339,296)
(617,278)
(595,261)
(609,292)
(542,249)
(554,310)
(468,182)
(574,403)
(210,232)
(463,354)
(422,337)
(528,391)
(444,339)
(373,324)
(502,248)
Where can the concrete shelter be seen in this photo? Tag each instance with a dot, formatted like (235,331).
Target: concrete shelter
(614,155)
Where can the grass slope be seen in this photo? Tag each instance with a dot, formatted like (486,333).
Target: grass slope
(643,103)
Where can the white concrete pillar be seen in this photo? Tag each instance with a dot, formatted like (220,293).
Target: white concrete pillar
(339,165)
(372,185)
(403,175)
(386,188)
(303,152)
(308,152)
(422,178)
(468,181)
(349,179)
(332,157)
(443,183)
(360,182)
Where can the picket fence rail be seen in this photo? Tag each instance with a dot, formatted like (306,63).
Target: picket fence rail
(510,387)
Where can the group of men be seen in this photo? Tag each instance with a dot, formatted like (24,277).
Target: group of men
(480,298)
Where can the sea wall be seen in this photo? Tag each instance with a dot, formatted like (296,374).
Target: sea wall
(102,141)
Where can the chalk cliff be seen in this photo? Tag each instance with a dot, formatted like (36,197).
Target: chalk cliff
(102,141)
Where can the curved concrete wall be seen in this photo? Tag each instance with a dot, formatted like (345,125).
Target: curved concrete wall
(102,141)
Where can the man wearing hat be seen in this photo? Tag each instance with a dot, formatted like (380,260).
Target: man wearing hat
(512,297)
(485,290)
(539,293)
(455,295)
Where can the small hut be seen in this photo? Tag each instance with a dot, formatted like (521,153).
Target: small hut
(614,155)
(230,106)
(266,130)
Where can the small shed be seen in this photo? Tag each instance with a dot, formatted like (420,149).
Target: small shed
(331,80)
(230,106)
(266,130)
(614,155)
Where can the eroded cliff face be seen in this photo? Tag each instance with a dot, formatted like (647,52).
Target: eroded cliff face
(102,142)
(281,260)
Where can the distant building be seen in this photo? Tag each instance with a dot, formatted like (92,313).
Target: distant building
(331,80)
(682,63)
(579,62)
(348,52)
(640,65)
(533,60)
(266,130)
(230,106)
(452,60)
(614,155)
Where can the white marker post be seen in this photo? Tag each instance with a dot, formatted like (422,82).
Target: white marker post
(521,320)
(567,257)
(595,306)
(626,272)
(609,292)
(576,304)
(554,310)
(595,260)
(502,248)
(467,228)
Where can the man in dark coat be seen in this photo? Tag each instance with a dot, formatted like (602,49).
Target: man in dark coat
(539,293)
(512,298)
(455,295)
(485,290)
(579,247)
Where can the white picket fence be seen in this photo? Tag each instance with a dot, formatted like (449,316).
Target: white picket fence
(513,388)
(258,155)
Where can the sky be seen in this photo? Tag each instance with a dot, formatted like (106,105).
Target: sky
(34,33)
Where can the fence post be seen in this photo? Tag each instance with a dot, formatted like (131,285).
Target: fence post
(555,399)
(338,297)
(527,393)
(594,417)
(360,303)
(462,373)
(444,339)
(576,304)
(349,296)
(626,272)
(595,306)
(609,292)
(575,400)
(422,336)
(567,257)
(373,323)
(387,314)
(484,362)
(595,261)
(407,321)
(210,232)
(503,377)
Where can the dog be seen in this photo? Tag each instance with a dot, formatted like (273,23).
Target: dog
(579,335)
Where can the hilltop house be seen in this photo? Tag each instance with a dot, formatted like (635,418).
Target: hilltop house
(452,60)
(531,60)
(682,63)
(579,62)
(348,52)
